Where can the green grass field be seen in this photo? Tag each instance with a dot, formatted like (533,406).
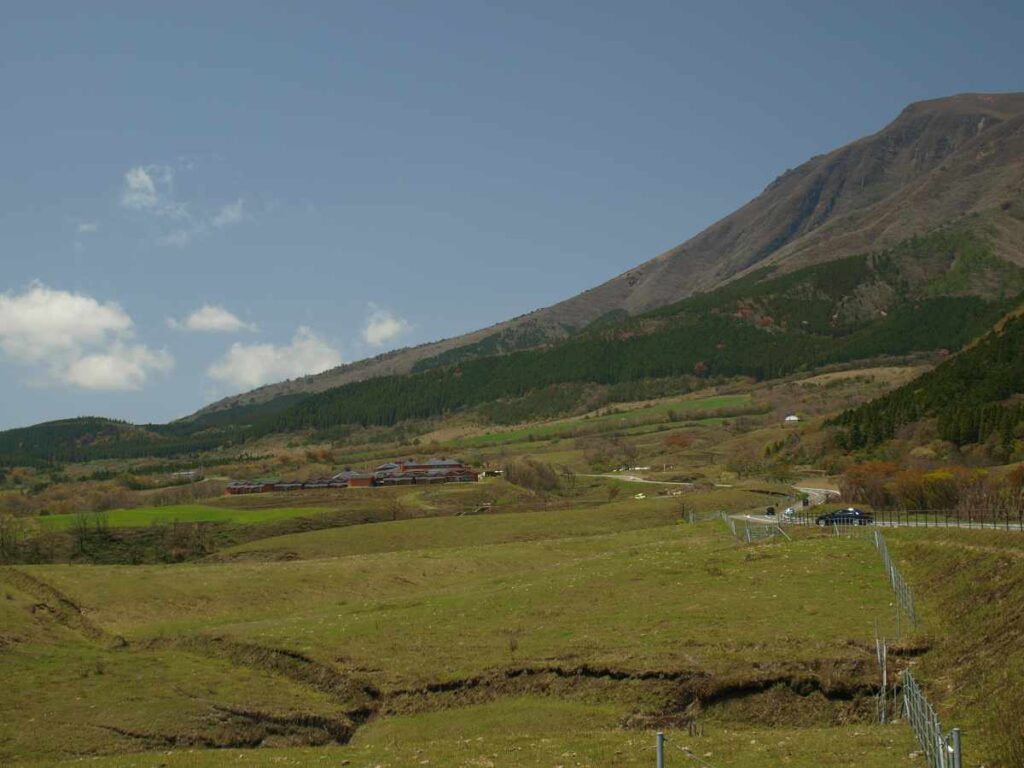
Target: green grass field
(185,513)
(634,418)
(536,732)
(536,638)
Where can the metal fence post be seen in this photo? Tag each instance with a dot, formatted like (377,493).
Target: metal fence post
(659,742)
(957,757)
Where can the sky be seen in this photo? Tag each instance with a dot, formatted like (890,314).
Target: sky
(198,198)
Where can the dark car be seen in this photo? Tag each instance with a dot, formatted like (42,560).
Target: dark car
(848,516)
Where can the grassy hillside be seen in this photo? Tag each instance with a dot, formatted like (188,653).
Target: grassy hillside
(971,592)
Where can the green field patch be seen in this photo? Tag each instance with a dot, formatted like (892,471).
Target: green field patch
(182,513)
(667,597)
(467,531)
(624,419)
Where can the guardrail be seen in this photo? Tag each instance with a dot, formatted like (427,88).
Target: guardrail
(923,518)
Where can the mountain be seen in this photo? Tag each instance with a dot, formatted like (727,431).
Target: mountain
(937,161)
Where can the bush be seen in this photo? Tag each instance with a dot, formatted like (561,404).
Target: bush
(535,475)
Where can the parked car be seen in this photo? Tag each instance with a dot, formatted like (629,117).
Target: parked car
(848,516)
(789,513)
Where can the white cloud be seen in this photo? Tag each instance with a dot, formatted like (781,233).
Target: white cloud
(42,322)
(76,339)
(230,214)
(87,227)
(246,366)
(139,189)
(151,189)
(383,326)
(121,367)
(211,318)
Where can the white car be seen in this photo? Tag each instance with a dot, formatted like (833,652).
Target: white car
(789,512)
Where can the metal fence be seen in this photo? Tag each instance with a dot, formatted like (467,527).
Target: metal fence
(752,533)
(941,749)
(904,596)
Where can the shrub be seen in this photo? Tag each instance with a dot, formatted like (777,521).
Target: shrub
(535,475)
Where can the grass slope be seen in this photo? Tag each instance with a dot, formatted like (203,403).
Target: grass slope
(970,589)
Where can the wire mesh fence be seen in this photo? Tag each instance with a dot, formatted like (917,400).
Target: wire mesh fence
(941,749)
(904,596)
(693,517)
(754,533)
(750,533)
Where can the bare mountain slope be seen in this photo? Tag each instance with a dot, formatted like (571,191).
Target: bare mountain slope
(937,160)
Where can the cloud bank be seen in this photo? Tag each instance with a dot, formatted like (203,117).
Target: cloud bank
(121,367)
(247,366)
(75,340)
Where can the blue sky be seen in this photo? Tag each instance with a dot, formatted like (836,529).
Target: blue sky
(197,197)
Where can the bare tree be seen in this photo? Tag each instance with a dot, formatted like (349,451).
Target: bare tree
(396,509)
(80,529)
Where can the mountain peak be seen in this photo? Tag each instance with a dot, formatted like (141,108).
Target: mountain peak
(1001,105)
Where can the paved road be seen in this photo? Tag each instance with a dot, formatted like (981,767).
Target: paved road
(815,496)
(635,479)
(638,479)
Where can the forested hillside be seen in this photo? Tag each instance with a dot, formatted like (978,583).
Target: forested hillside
(928,293)
(973,397)
(88,438)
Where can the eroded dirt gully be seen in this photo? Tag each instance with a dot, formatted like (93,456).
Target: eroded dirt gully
(827,691)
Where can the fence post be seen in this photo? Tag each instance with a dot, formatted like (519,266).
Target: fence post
(957,757)
(659,742)
(885,680)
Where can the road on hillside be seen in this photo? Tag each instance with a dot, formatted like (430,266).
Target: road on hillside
(815,497)
(634,479)
(638,479)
